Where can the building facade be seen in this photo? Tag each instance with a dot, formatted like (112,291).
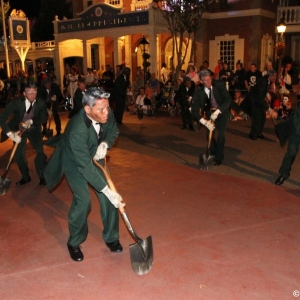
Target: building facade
(109,32)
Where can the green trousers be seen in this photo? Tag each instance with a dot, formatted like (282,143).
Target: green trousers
(80,209)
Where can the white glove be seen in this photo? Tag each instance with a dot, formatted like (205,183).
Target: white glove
(49,112)
(14,136)
(101,151)
(208,124)
(215,114)
(53,98)
(113,197)
(189,99)
(27,124)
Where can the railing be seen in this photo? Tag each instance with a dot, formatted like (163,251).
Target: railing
(34,45)
(290,15)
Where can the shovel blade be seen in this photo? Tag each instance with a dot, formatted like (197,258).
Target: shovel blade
(4,185)
(203,161)
(141,255)
(206,162)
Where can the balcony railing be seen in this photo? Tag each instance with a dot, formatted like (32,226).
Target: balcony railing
(34,45)
(290,15)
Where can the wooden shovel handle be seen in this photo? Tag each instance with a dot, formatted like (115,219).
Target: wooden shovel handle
(108,179)
(14,148)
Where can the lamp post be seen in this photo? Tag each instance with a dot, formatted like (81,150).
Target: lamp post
(144,46)
(5,41)
(280,46)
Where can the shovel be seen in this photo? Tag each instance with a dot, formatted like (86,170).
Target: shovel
(5,182)
(141,253)
(206,161)
(49,132)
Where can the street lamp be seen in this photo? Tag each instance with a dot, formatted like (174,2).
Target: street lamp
(281,27)
(144,46)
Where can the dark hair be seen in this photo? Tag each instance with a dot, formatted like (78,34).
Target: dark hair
(30,85)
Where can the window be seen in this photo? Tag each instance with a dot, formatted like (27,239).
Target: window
(114,2)
(227,50)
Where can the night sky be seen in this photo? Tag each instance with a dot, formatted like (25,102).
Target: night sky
(30,7)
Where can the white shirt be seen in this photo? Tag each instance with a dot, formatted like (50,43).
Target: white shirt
(27,103)
(206,90)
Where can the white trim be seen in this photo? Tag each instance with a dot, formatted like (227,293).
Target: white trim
(240,13)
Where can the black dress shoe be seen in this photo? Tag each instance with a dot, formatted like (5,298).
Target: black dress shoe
(280,180)
(217,162)
(75,253)
(191,127)
(115,246)
(183,127)
(23,181)
(262,137)
(42,181)
(252,137)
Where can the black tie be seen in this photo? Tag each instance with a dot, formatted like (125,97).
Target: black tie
(30,108)
(209,94)
(100,131)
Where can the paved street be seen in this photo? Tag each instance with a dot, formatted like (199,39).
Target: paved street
(229,233)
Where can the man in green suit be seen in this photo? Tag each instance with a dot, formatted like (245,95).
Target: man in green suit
(88,135)
(32,112)
(210,106)
(293,146)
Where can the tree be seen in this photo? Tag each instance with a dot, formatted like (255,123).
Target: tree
(183,19)
(43,27)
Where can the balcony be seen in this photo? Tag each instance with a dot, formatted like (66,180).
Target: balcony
(290,14)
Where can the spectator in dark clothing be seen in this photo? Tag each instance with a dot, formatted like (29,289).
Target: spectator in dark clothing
(239,77)
(119,94)
(259,105)
(108,77)
(252,76)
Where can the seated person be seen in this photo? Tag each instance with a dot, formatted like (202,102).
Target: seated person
(286,111)
(141,102)
(235,112)
(282,110)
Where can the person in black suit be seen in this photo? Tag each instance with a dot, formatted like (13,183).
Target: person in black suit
(211,107)
(119,94)
(32,112)
(184,96)
(51,94)
(77,101)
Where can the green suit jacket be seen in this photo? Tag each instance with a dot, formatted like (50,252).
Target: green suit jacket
(78,146)
(15,110)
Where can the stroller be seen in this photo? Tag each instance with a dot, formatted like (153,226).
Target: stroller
(164,101)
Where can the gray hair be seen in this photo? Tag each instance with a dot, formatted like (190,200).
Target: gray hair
(271,73)
(204,73)
(92,94)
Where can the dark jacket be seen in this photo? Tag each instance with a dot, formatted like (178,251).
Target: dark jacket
(182,94)
(55,90)
(201,101)
(13,114)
